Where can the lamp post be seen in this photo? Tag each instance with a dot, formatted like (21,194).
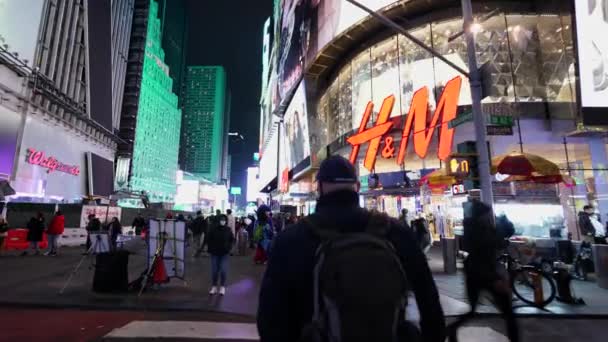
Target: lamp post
(474,81)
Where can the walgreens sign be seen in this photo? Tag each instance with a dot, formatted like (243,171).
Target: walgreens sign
(39,158)
(416,125)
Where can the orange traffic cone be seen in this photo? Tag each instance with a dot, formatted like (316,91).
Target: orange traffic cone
(160,272)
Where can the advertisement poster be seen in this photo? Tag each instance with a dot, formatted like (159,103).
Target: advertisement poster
(9,128)
(297,146)
(101,212)
(592,26)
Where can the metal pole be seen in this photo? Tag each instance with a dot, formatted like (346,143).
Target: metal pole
(279,154)
(478,117)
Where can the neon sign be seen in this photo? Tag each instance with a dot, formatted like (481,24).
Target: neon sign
(447,107)
(38,158)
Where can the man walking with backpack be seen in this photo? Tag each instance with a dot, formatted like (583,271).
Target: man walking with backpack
(345,272)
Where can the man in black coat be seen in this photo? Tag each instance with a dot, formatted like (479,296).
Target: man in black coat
(286,297)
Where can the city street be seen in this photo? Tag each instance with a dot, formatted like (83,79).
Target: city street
(30,293)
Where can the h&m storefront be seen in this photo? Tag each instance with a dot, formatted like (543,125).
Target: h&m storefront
(526,50)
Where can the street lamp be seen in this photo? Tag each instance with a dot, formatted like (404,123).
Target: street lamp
(474,81)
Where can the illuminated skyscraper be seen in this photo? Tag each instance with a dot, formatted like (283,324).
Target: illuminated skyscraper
(158,121)
(205,122)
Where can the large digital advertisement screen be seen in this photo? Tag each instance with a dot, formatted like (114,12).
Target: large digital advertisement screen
(297,142)
(306,26)
(19,25)
(592,39)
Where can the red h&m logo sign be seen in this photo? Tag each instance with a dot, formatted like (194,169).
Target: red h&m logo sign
(446,110)
(38,158)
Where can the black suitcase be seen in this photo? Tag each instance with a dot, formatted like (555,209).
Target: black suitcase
(111,272)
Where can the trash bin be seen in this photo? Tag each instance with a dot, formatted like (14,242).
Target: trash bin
(448,246)
(600,259)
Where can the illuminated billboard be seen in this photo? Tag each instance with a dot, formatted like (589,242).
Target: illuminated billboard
(19,27)
(591,27)
(306,26)
(9,128)
(297,142)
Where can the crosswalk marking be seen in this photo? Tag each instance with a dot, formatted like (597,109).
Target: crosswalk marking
(243,332)
(186,329)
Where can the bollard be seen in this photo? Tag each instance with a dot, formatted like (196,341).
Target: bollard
(537,282)
(600,260)
(448,246)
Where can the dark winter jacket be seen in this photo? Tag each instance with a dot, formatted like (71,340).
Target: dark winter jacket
(286,297)
(482,242)
(199,226)
(94,225)
(35,229)
(220,240)
(584,222)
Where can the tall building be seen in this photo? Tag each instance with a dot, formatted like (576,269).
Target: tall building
(56,97)
(151,111)
(174,25)
(203,149)
(122,22)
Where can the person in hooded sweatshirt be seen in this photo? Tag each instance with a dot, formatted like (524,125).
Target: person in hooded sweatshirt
(219,241)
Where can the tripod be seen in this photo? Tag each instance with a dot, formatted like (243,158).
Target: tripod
(100,243)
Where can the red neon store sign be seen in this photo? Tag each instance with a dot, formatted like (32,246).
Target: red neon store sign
(416,119)
(38,158)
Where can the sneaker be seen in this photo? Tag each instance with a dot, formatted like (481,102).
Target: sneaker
(53,254)
(24,253)
(222,291)
(47,253)
(213,290)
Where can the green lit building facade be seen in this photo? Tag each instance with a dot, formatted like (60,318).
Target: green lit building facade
(205,122)
(158,121)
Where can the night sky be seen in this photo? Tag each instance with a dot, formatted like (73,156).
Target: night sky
(229,33)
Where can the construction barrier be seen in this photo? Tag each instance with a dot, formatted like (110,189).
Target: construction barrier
(17,240)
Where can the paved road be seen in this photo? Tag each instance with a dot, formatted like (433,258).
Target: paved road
(85,325)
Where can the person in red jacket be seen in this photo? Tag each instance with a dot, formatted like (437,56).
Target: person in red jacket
(54,230)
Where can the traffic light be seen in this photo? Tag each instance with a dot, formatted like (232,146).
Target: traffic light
(468,160)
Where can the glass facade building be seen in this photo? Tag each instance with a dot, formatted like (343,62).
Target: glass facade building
(156,146)
(526,52)
(204,122)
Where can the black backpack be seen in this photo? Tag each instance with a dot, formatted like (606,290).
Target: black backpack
(360,288)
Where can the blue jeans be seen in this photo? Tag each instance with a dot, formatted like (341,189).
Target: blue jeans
(52,238)
(219,267)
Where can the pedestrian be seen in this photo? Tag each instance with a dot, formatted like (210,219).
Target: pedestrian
(263,235)
(3,233)
(586,226)
(199,230)
(139,224)
(220,241)
(35,231)
(360,281)
(232,226)
(54,231)
(115,229)
(403,218)
(482,241)
(93,226)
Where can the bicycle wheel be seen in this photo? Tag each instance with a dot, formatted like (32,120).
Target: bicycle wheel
(527,284)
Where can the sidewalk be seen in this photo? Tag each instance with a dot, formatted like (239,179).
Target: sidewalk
(34,281)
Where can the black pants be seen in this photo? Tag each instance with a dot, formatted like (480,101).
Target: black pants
(503,302)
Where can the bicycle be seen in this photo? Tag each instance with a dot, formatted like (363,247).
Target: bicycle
(530,283)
